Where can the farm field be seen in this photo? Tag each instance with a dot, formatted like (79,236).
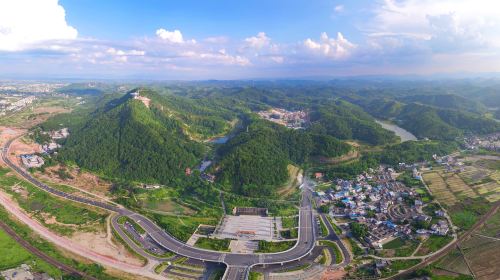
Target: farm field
(475,181)
(483,176)
(481,253)
(439,188)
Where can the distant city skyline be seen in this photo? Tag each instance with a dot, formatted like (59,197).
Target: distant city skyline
(196,40)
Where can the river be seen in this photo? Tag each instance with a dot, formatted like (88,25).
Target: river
(404,134)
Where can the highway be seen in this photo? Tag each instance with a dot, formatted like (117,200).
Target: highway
(335,238)
(238,264)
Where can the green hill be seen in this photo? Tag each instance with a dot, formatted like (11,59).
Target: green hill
(255,161)
(447,101)
(127,139)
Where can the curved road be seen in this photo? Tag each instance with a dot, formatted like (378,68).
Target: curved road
(238,264)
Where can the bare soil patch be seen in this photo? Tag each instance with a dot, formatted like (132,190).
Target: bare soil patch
(79,179)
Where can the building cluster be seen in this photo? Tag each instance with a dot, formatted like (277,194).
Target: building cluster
(450,163)
(32,161)
(137,96)
(387,207)
(52,146)
(35,160)
(20,87)
(15,104)
(290,119)
(59,134)
(489,142)
(23,272)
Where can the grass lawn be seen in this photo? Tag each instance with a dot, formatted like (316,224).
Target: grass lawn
(356,250)
(274,247)
(464,219)
(289,233)
(254,275)
(289,222)
(335,248)
(13,255)
(433,243)
(182,227)
(395,244)
(213,244)
(324,230)
(337,230)
(397,265)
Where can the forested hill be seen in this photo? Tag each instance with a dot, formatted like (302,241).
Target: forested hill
(127,139)
(255,162)
(429,121)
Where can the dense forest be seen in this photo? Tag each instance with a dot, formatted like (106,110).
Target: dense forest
(428,121)
(259,155)
(130,141)
(116,136)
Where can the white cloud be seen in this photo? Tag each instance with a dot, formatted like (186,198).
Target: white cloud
(259,41)
(26,24)
(447,24)
(217,40)
(170,36)
(336,48)
(117,52)
(339,8)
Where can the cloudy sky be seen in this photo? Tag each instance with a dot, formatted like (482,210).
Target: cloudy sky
(153,39)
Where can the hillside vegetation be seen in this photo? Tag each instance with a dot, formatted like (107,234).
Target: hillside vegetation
(259,155)
(128,140)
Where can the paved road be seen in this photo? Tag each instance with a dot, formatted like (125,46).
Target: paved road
(303,246)
(335,238)
(42,255)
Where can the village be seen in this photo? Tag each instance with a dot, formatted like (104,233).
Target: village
(290,119)
(489,142)
(382,204)
(36,160)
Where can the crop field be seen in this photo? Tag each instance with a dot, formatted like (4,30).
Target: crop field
(458,186)
(484,177)
(455,262)
(492,226)
(483,257)
(451,188)
(439,188)
(473,174)
(481,253)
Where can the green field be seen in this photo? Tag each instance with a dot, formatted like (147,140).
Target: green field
(213,244)
(335,248)
(274,247)
(398,265)
(92,269)
(399,248)
(182,227)
(13,255)
(289,222)
(432,244)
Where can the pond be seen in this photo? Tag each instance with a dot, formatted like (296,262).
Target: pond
(220,140)
(404,134)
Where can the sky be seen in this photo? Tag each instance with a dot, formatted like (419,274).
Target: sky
(218,39)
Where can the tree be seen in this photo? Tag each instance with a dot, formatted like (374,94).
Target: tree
(358,230)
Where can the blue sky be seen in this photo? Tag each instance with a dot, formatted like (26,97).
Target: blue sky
(246,39)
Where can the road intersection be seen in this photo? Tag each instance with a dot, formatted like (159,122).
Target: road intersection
(238,265)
